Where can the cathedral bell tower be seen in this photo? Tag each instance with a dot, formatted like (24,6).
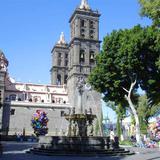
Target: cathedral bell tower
(83,47)
(59,70)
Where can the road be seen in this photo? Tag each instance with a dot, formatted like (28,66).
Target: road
(17,151)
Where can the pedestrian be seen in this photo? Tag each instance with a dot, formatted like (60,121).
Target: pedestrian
(112,137)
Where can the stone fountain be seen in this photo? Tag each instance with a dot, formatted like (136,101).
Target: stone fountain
(81,123)
(80,139)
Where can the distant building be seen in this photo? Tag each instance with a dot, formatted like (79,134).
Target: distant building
(70,61)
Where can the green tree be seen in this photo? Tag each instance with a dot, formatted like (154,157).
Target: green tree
(151,9)
(145,111)
(121,114)
(151,57)
(124,63)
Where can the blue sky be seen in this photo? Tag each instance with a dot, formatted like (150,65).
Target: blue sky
(30,28)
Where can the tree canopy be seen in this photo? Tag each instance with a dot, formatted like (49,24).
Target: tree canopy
(129,59)
(151,9)
(127,55)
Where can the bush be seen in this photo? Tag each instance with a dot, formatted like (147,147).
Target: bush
(126,142)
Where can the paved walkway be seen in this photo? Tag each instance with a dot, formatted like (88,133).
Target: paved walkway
(16,151)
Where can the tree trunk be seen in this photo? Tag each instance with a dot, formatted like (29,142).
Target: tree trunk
(118,127)
(138,136)
(131,105)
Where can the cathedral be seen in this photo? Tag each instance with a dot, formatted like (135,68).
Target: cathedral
(70,62)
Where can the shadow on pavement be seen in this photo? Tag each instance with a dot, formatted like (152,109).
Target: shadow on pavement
(37,157)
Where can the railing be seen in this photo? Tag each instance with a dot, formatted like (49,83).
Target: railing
(38,104)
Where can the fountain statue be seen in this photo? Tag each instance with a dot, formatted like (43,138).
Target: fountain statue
(81,123)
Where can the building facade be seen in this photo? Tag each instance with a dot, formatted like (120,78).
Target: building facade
(70,62)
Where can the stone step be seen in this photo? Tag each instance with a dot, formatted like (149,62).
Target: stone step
(84,153)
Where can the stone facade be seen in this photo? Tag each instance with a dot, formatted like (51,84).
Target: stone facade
(22,100)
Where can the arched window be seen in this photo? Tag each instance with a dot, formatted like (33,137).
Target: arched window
(91,24)
(65,79)
(82,23)
(12,111)
(66,63)
(66,55)
(59,60)
(59,55)
(91,57)
(58,79)
(36,98)
(12,97)
(53,99)
(91,33)
(30,100)
(82,56)
(83,33)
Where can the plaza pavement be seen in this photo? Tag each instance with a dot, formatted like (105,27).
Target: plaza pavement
(17,151)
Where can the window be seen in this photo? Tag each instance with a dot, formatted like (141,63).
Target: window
(82,23)
(58,79)
(12,111)
(36,98)
(91,34)
(59,55)
(12,97)
(59,59)
(66,55)
(59,62)
(81,56)
(83,33)
(91,24)
(62,113)
(66,62)
(6,99)
(30,100)
(65,79)
(91,57)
